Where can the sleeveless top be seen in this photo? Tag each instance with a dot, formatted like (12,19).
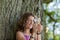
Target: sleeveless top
(27,37)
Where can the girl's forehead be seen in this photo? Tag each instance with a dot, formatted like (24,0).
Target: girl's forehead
(30,17)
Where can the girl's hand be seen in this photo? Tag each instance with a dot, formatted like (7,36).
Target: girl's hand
(39,28)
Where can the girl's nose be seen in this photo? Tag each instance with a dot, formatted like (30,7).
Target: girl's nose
(32,22)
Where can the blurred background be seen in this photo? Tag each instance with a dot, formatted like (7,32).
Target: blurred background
(47,10)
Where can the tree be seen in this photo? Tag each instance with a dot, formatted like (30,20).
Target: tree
(11,10)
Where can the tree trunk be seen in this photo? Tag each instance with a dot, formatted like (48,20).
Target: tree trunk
(11,10)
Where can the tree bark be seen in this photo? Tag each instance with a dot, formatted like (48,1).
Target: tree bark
(11,10)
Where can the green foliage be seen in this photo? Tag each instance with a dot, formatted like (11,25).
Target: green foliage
(50,15)
(53,16)
(58,18)
(47,1)
(56,37)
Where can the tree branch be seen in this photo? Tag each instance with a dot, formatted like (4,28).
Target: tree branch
(51,17)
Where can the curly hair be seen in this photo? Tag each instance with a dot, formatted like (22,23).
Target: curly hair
(22,21)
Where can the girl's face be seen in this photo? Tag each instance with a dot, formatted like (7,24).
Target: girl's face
(30,22)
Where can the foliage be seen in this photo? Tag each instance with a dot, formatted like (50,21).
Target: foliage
(52,16)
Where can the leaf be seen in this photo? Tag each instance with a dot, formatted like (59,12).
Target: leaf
(58,20)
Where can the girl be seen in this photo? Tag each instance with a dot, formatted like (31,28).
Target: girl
(27,29)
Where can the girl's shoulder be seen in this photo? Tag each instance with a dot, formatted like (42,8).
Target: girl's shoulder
(19,35)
